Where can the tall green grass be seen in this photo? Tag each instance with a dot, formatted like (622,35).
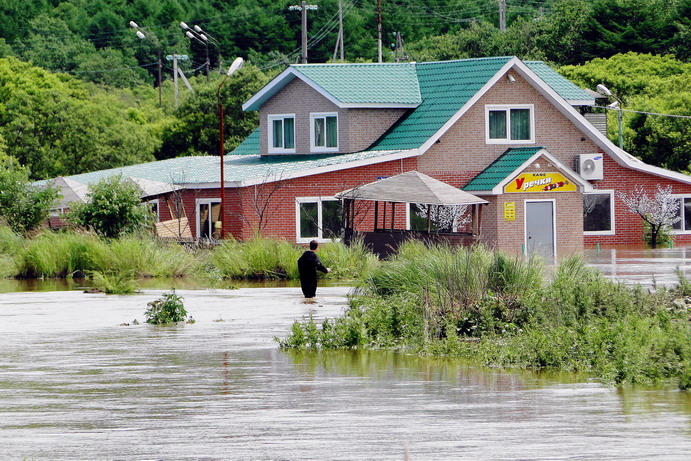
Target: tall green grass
(510,311)
(265,258)
(66,254)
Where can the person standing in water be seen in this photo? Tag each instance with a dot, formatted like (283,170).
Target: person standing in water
(308,264)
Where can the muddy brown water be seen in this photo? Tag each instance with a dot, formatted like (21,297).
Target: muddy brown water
(77,384)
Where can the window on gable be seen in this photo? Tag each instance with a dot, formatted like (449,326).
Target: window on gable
(684,212)
(282,133)
(509,124)
(324,132)
(598,213)
(319,218)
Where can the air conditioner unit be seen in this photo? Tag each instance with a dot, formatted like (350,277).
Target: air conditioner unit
(591,166)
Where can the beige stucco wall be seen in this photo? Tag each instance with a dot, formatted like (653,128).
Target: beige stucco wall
(357,128)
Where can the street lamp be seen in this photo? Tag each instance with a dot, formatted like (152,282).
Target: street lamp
(237,64)
(616,105)
(151,36)
(198,34)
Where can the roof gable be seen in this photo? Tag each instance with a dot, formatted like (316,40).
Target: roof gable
(350,85)
(511,163)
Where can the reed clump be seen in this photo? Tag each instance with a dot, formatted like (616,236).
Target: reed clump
(509,311)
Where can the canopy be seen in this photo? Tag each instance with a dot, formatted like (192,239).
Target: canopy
(411,187)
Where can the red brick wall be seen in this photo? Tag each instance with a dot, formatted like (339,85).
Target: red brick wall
(629,226)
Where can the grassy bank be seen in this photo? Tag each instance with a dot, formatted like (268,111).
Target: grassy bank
(509,312)
(111,261)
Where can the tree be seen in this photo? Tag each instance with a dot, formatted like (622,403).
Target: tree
(113,208)
(659,212)
(196,131)
(23,206)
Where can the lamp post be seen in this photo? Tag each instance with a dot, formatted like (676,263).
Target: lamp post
(602,89)
(237,64)
(151,36)
(198,34)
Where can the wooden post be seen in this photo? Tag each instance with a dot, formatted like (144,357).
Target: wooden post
(383,218)
(479,219)
(393,213)
(376,214)
(429,218)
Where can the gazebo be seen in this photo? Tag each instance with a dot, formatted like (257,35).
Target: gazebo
(410,187)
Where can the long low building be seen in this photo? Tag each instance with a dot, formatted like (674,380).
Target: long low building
(515,134)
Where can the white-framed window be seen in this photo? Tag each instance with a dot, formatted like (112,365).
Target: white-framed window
(324,132)
(282,134)
(154,208)
(510,124)
(57,212)
(453,217)
(208,218)
(318,218)
(684,225)
(598,212)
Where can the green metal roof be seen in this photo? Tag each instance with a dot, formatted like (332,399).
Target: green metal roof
(565,87)
(445,88)
(502,167)
(366,83)
(250,146)
(206,169)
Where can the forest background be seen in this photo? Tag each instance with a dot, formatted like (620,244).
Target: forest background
(78,87)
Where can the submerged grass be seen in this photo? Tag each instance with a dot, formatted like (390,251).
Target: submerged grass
(510,312)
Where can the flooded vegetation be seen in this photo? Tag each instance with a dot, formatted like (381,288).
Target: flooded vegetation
(75,384)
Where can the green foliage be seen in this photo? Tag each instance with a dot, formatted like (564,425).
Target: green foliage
(56,125)
(66,254)
(114,283)
(112,208)
(166,310)
(196,130)
(504,311)
(22,206)
(352,261)
(258,258)
(646,83)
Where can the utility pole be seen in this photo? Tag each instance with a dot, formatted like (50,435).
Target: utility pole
(303,7)
(502,15)
(339,38)
(379,30)
(399,52)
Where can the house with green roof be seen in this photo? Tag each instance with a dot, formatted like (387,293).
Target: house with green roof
(510,132)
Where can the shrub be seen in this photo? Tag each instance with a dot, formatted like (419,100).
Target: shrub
(114,283)
(165,310)
(113,208)
(23,206)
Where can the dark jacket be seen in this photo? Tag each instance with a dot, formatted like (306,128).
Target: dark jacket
(308,264)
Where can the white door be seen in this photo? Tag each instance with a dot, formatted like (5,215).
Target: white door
(539,228)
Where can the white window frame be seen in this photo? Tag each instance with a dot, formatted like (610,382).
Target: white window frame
(313,137)
(408,215)
(270,131)
(611,211)
(58,212)
(158,208)
(507,108)
(681,205)
(203,201)
(318,200)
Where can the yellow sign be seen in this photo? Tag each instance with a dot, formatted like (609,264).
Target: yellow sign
(509,211)
(540,182)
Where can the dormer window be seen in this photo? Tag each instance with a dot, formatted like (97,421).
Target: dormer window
(509,124)
(324,132)
(282,134)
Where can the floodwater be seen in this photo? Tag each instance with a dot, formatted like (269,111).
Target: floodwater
(76,384)
(643,266)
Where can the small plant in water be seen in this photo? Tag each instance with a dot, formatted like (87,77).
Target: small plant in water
(167,309)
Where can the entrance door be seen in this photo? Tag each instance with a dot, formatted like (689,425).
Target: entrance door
(539,228)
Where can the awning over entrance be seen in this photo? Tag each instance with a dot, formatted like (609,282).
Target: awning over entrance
(412,187)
